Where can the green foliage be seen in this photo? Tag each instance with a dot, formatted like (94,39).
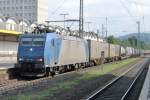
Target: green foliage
(113,40)
(131,41)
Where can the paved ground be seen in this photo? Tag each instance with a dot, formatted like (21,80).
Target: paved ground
(145,93)
(7,62)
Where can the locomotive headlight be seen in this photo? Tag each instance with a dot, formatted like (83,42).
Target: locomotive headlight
(20,59)
(40,60)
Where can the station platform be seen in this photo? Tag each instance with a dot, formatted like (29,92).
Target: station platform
(145,93)
(7,62)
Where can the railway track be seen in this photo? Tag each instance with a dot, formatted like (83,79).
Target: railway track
(120,87)
(7,82)
(15,84)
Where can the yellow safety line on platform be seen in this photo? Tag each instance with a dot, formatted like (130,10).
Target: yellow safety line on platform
(9,32)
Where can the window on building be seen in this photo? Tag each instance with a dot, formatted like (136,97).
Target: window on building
(20,14)
(33,7)
(20,1)
(33,0)
(29,7)
(26,14)
(13,8)
(7,8)
(8,2)
(25,7)
(12,1)
(30,14)
(4,2)
(3,8)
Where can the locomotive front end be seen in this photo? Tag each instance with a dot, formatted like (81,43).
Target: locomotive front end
(31,55)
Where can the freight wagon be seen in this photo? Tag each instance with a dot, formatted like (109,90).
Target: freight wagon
(98,51)
(48,53)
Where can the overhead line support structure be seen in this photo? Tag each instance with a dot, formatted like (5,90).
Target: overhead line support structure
(64,15)
(81,19)
(139,35)
(106,27)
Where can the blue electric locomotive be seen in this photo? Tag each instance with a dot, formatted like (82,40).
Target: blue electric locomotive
(45,54)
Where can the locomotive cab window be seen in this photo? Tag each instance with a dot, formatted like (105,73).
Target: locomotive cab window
(53,43)
(26,41)
(38,41)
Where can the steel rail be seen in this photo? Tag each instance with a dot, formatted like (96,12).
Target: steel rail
(94,95)
(132,85)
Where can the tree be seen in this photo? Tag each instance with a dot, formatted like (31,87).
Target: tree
(113,40)
(133,41)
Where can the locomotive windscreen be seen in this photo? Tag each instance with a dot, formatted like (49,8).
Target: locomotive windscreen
(26,41)
(36,41)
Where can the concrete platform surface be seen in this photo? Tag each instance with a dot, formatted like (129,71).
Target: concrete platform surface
(145,93)
(7,62)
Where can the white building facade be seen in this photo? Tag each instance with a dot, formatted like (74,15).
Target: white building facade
(13,14)
(34,11)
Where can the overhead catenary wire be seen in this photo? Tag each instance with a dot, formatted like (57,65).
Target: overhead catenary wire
(112,19)
(58,7)
(142,10)
(132,2)
(138,7)
(139,3)
(143,17)
(127,10)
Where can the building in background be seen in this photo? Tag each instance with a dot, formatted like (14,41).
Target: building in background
(17,16)
(34,11)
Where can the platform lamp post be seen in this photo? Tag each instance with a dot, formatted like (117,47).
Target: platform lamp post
(64,15)
(81,19)
(22,16)
(139,35)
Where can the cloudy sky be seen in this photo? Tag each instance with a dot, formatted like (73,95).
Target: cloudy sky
(122,14)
